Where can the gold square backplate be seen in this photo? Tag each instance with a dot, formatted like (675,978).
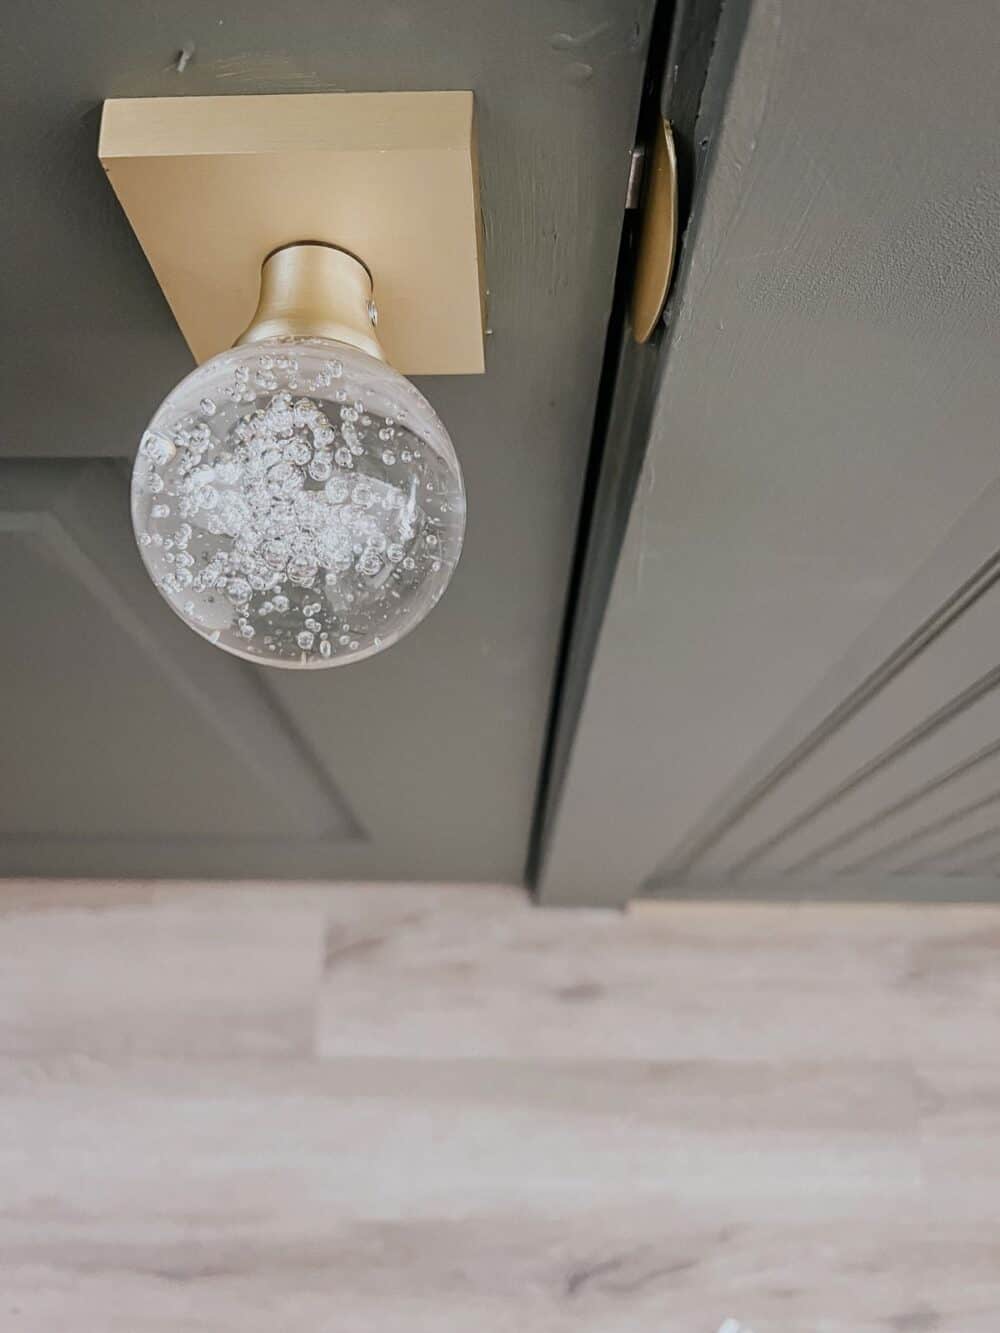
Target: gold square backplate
(212,185)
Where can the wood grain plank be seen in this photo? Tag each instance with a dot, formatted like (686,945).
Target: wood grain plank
(198,972)
(494,1194)
(506,1119)
(431,973)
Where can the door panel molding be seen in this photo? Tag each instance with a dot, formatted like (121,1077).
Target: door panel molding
(77,514)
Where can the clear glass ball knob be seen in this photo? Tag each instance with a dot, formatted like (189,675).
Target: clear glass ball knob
(298,503)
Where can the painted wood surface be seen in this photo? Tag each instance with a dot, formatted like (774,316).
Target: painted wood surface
(247,1108)
(435,747)
(825,428)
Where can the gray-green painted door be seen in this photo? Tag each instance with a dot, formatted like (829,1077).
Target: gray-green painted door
(795,686)
(131,748)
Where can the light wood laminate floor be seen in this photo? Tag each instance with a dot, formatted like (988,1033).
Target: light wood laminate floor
(240,1109)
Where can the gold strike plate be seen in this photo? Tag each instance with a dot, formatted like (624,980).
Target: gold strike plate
(213,185)
(657,236)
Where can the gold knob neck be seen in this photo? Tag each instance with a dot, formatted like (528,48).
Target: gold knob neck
(313,290)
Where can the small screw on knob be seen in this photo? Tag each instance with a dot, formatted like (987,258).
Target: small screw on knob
(373,314)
